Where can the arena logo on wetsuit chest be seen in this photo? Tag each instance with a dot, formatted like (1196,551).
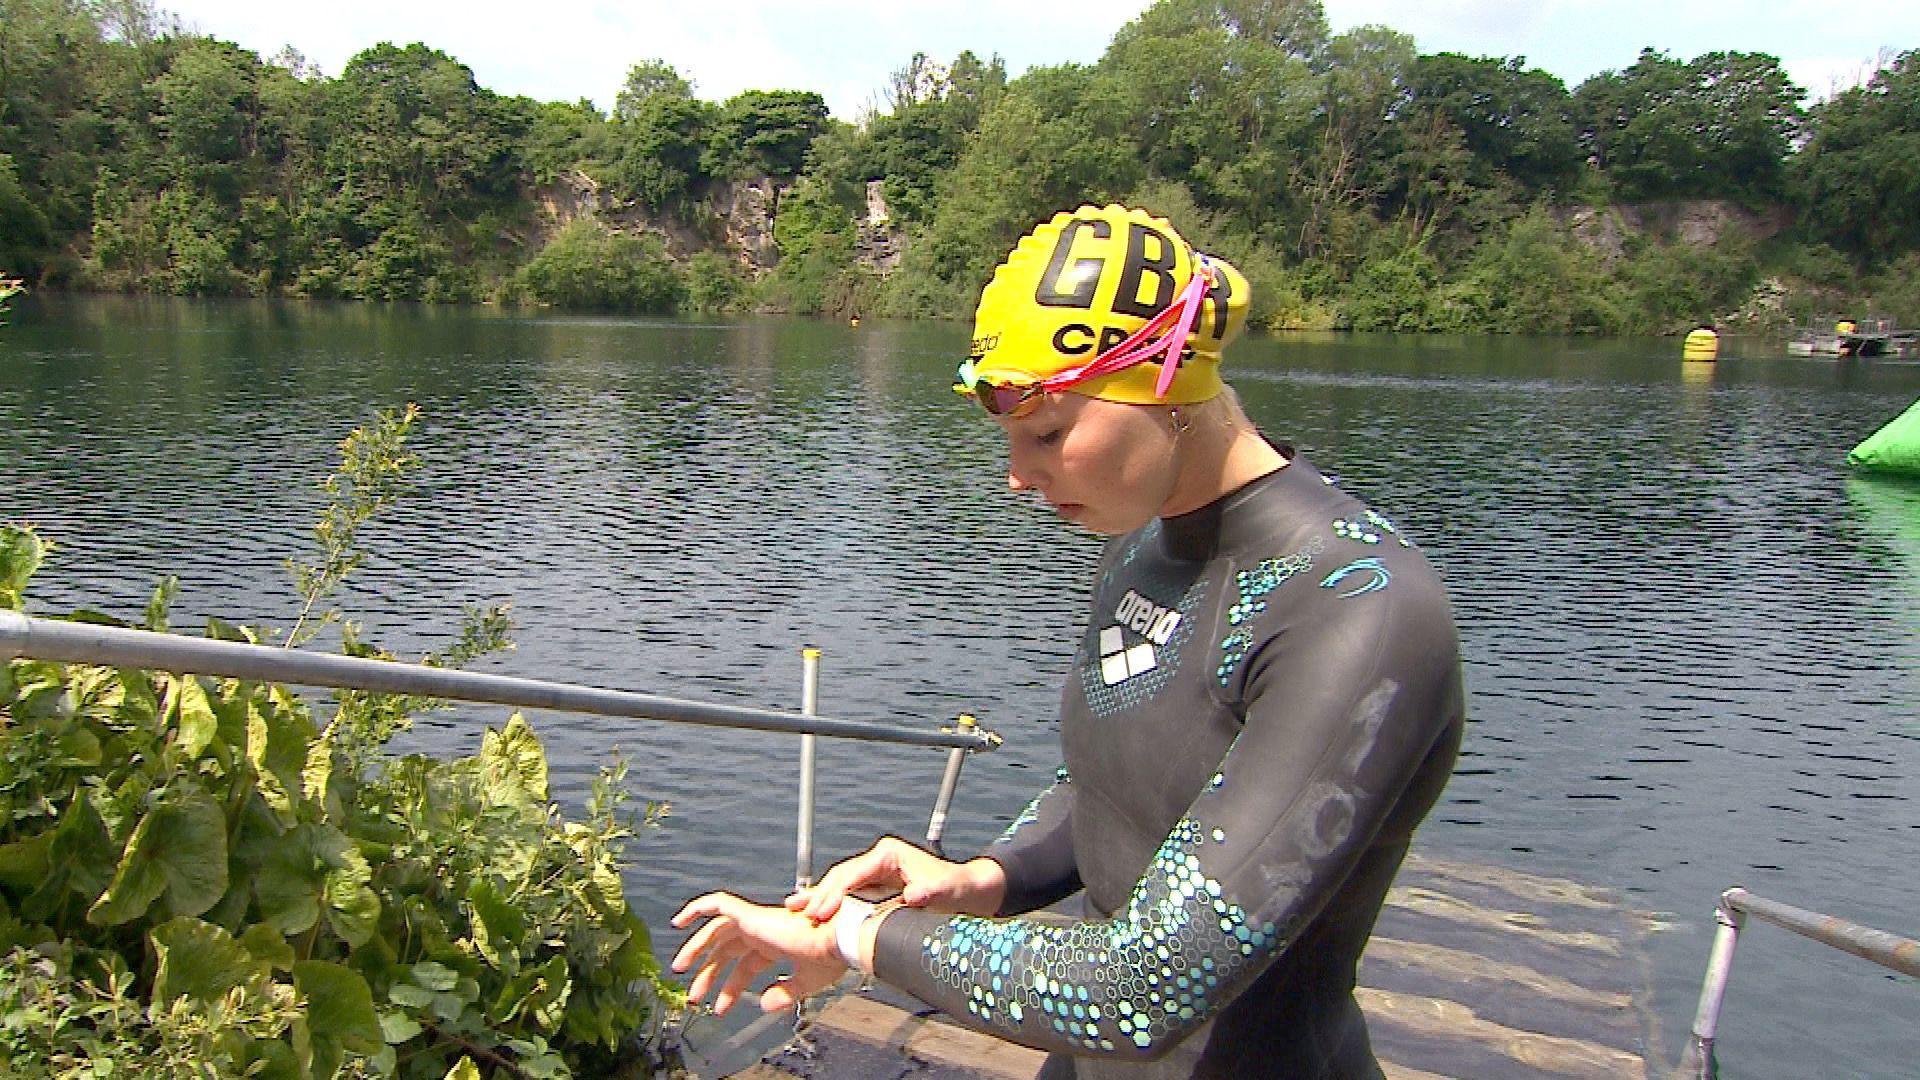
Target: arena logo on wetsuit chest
(1120,662)
(1072,283)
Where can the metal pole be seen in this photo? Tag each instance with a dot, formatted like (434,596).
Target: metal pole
(1887,950)
(949,783)
(1706,1020)
(809,697)
(82,643)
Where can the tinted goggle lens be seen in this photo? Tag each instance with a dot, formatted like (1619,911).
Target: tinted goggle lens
(1005,400)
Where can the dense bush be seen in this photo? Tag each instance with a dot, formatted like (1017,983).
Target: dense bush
(587,267)
(211,877)
(716,283)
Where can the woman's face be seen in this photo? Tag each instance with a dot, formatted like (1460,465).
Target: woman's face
(1102,465)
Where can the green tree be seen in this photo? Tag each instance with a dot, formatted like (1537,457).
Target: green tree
(415,155)
(1514,120)
(765,133)
(208,103)
(1855,181)
(815,234)
(1059,136)
(659,150)
(645,81)
(564,136)
(1432,174)
(1718,127)
(25,236)
(715,283)
(1533,278)
(1896,290)
(1228,97)
(934,112)
(1393,291)
(1296,28)
(1359,95)
(66,94)
(413,123)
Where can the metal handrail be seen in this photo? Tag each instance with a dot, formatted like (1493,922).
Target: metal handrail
(86,643)
(1887,950)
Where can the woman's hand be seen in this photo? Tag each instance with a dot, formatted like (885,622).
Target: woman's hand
(921,880)
(752,938)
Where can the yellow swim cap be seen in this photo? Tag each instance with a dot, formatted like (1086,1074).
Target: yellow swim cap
(1080,284)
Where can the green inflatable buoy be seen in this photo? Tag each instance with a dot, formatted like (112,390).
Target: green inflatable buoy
(1894,448)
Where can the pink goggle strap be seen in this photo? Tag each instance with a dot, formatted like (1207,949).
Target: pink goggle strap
(1135,348)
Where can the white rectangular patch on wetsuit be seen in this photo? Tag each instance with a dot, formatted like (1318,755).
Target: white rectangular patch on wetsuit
(1119,663)
(1113,656)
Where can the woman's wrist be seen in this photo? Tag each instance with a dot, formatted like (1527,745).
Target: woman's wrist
(986,886)
(847,923)
(868,933)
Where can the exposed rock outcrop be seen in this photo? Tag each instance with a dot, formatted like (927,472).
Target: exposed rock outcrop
(735,217)
(1693,222)
(878,245)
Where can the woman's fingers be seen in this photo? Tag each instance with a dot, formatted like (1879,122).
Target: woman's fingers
(709,935)
(713,903)
(723,964)
(702,980)
(739,941)
(875,866)
(745,969)
(706,969)
(790,990)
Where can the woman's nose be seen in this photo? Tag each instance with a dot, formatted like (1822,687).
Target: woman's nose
(1014,483)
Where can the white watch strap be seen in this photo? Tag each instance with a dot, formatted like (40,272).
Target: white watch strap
(846,929)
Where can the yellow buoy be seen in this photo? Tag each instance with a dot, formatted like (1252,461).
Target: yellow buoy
(1701,344)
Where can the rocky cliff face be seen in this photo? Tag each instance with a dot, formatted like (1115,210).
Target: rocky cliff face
(1693,222)
(878,245)
(735,217)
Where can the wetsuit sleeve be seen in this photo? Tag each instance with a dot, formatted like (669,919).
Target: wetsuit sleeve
(1036,851)
(1341,707)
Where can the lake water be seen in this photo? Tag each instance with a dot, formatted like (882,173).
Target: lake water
(1692,637)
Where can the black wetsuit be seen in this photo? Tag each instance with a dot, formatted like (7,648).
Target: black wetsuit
(1267,700)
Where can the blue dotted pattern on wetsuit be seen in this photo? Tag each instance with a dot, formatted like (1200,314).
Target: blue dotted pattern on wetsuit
(1367,529)
(1130,981)
(1032,813)
(1254,586)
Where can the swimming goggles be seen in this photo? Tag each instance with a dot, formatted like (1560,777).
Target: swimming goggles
(1172,325)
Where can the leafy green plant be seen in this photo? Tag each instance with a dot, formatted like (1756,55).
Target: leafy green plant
(199,878)
(9,288)
(374,464)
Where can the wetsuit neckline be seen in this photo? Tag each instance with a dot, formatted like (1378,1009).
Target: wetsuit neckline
(1199,534)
